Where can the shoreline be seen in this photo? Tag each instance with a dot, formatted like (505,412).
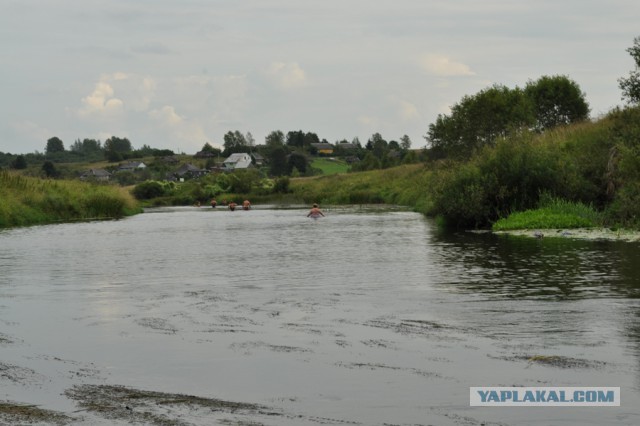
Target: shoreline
(590,234)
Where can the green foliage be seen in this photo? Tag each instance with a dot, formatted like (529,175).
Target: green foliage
(117,149)
(242,181)
(630,86)
(552,213)
(297,161)
(54,144)
(281,185)
(49,169)
(330,166)
(556,101)
(19,163)
(478,121)
(148,189)
(29,201)
(541,219)
(460,195)
(278,161)
(234,142)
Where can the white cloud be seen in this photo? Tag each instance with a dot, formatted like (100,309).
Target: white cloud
(101,101)
(166,116)
(181,129)
(134,93)
(287,75)
(444,66)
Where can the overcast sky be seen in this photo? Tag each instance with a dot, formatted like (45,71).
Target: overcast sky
(176,74)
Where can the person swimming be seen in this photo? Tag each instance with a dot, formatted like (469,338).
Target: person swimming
(315,212)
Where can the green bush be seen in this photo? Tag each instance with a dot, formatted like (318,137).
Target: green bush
(281,185)
(148,189)
(552,212)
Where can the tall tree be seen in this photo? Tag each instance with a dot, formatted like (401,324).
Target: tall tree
(378,145)
(208,148)
(234,142)
(405,142)
(274,139)
(19,163)
(278,161)
(630,86)
(297,161)
(478,120)
(54,144)
(556,100)
(115,148)
(295,138)
(251,141)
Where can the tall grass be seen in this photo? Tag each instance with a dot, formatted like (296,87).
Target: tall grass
(552,213)
(591,171)
(30,201)
(402,185)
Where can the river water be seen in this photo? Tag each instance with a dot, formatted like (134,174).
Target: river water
(367,316)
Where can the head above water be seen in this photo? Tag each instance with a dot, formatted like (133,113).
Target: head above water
(315,206)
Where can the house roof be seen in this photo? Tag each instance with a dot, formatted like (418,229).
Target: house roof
(239,160)
(322,146)
(96,173)
(189,168)
(347,145)
(132,165)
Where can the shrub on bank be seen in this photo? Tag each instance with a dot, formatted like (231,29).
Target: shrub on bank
(552,213)
(29,201)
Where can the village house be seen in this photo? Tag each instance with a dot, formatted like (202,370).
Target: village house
(237,161)
(258,159)
(100,175)
(132,166)
(323,148)
(189,170)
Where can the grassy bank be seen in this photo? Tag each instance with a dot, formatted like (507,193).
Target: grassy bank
(591,170)
(553,213)
(31,201)
(403,185)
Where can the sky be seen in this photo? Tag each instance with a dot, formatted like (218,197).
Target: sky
(178,74)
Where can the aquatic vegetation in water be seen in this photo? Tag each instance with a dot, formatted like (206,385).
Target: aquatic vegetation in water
(15,413)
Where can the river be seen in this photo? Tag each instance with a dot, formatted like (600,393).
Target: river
(368,316)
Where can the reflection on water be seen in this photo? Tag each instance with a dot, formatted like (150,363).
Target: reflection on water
(369,316)
(548,268)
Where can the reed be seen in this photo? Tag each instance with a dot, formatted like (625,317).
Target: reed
(30,201)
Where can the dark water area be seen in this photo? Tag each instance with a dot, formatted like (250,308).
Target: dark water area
(369,316)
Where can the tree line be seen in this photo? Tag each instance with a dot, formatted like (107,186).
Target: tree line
(474,122)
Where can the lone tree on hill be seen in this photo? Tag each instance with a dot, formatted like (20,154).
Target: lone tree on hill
(631,86)
(54,144)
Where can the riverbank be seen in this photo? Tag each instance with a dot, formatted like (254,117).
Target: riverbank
(32,201)
(592,234)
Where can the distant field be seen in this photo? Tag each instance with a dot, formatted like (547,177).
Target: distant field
(330,166)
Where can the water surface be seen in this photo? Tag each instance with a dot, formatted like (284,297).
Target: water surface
(367,316)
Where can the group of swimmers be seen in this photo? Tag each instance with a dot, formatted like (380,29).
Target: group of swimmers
(246,204)
(314,213)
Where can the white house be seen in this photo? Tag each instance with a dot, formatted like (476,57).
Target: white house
(132,166)
(238,161)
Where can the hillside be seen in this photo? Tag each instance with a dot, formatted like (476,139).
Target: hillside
(593,163)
